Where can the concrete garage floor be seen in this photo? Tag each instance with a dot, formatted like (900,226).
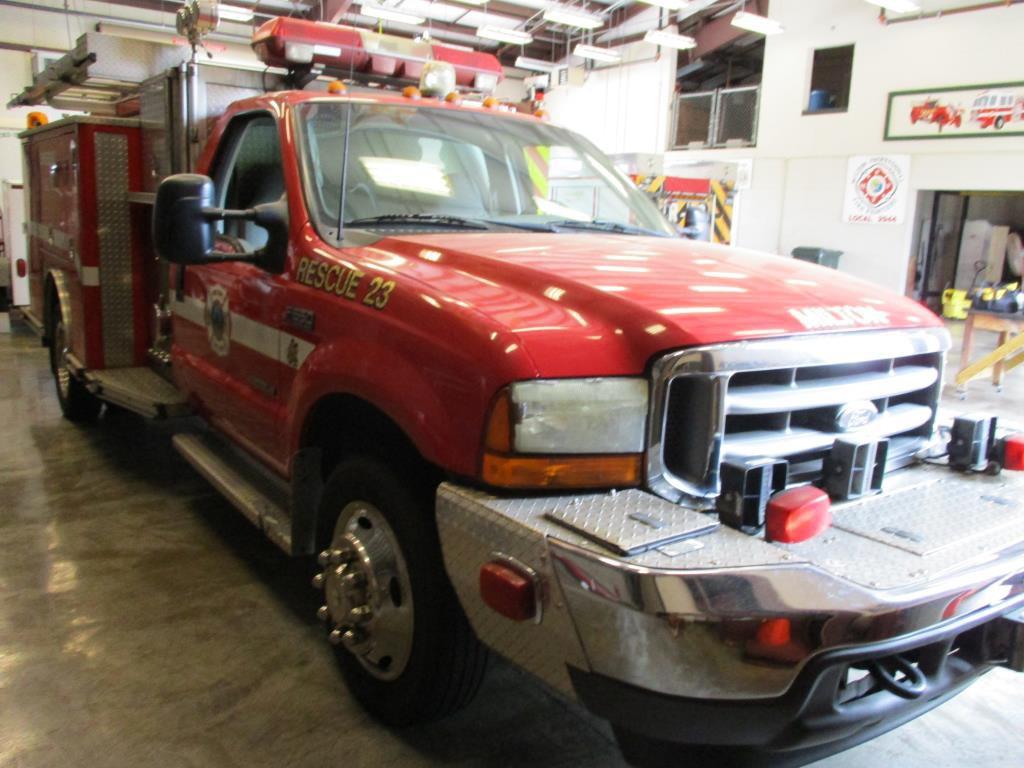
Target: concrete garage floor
(145,623)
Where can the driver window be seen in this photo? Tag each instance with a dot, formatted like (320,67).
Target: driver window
(252,176)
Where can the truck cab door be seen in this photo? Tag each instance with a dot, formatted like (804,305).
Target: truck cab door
(230,339)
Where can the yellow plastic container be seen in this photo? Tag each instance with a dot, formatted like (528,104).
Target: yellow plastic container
(955,304)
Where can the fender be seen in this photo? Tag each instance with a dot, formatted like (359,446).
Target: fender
(442,418)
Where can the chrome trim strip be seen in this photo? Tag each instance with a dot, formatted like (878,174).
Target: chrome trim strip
(772,398)
(899,418)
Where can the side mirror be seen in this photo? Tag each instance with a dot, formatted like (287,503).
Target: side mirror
(183,228)
(183,225)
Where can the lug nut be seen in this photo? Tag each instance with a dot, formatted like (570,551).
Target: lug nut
(340,570)
(335,637)
(322,613)
(323,558)
(318,581)
(354,579)
(341,556)
(353,639)
(361,613)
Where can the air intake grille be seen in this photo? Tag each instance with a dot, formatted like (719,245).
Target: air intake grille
(794,412)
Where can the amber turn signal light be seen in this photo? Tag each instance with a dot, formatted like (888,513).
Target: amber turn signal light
(798,514)
(612,471)
(508,590)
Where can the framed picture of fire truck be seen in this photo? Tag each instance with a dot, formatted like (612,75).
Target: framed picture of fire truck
(955,112)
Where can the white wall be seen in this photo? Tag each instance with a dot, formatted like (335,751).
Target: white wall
(800,160)
(622,108)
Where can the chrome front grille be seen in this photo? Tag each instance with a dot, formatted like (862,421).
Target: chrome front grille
(783,399)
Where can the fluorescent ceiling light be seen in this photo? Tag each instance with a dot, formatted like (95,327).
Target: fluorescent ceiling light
(671,5)
(234,13)
(669,39)
(503,35)
(390,14)
(572,17)
(754,23)
(536,65)
(595,53)
(897,6)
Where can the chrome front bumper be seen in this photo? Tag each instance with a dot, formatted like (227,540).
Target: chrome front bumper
(678,619)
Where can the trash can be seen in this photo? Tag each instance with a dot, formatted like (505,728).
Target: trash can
(822,256)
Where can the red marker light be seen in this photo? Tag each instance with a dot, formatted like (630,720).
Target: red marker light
(774,632)
(21,267)
(1013,452)
(798,514)
(508,591)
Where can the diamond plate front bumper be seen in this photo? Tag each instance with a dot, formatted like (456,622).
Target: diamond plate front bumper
(680,618)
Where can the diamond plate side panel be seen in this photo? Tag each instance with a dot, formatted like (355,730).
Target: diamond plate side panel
(470,535)
(115,253)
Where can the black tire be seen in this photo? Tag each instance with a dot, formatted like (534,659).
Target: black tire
(1000,123)
(77,403)
(446,663)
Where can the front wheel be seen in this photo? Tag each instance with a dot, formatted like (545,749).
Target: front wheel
(403,643)
(1000,122)
(76,402)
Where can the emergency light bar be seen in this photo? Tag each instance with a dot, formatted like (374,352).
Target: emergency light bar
(298,44)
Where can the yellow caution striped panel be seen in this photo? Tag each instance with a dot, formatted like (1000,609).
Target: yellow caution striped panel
(723,212)
(538,165)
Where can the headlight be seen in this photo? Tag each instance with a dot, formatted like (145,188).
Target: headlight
(567,433)
(579,415)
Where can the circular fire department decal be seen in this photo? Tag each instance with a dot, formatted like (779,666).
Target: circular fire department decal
(217,317)
(876,189)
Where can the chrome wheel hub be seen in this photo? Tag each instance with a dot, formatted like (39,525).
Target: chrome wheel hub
(368,597)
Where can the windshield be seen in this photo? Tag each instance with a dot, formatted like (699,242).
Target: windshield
(414,165)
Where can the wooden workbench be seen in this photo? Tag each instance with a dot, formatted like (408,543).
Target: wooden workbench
(1008,353)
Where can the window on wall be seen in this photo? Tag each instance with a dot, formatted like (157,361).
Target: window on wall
(830,80)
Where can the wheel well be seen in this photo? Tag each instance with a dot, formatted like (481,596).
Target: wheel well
(50,301)
(343,425)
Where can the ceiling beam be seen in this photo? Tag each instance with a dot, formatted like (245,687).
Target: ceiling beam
(333,10)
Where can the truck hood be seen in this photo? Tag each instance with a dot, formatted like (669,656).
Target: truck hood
(588,304)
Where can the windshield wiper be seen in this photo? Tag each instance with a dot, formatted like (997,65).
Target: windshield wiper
(600,225)
(418,219)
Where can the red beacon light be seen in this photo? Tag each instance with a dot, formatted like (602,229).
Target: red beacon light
(797,515)
(307,48)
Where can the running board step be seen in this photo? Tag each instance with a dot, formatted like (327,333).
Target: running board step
(141,390)
(256,493)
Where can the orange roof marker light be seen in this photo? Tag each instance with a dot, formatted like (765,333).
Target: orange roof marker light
(491,103)
(453,98)
(36,119)
(411,92)
(336,87)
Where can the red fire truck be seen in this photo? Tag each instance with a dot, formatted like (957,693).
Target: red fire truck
(453,355)
(997,108)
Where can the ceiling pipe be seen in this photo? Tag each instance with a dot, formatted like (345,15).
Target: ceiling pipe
(884,19)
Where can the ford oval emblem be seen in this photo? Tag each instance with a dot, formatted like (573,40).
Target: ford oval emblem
(855,415)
